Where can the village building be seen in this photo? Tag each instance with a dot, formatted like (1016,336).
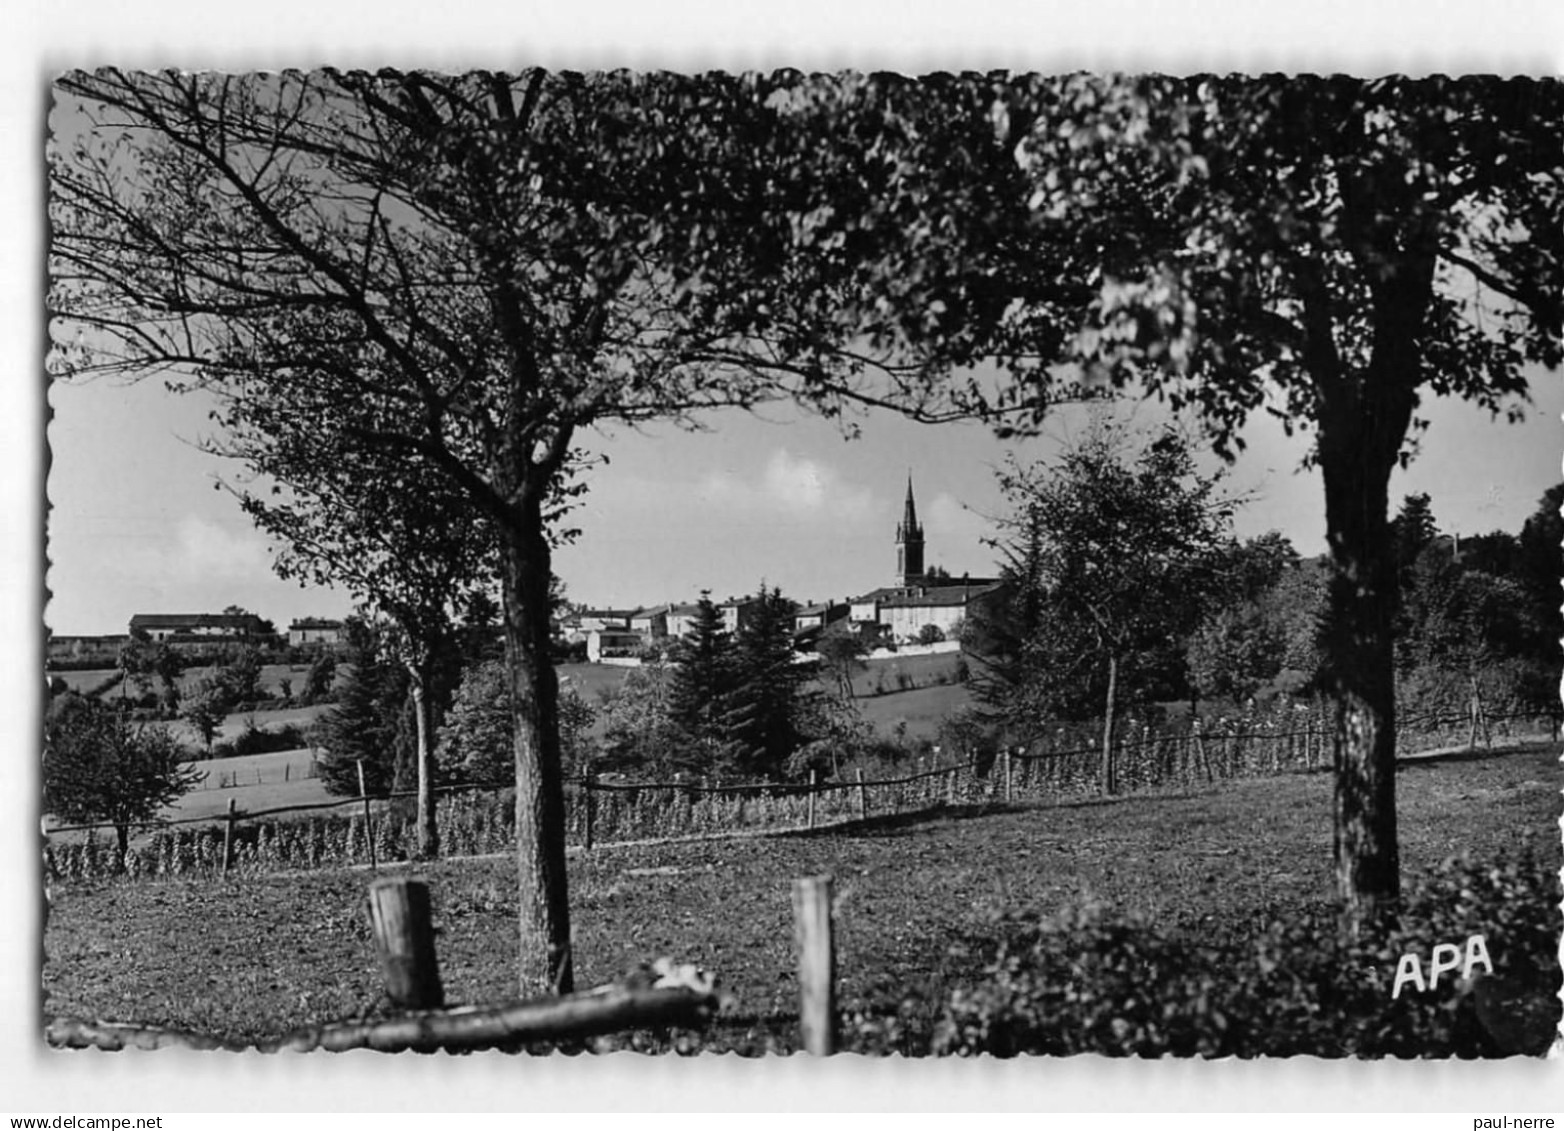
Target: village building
(818,616)
(613,643)
(308,631)
(652,624)
(903,611)
(197,629)
(681,620)
(738,613)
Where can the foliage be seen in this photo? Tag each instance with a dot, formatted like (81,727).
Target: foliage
(368,724)
(1469,623)
(702,681)
(241,677)
(477,740)
(1088,981)
(142,660)
(1242,643)
(638,734)
(931,634)
(206,704)
(1539,565)
(320,681)
(842,648)
(766,721)
(1107,554)
(98,767)
(1412,531)
(261,740)
(1235,653)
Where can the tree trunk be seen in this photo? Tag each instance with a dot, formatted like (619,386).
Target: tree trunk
(1109,781)
(1364,411)
(544,910)
(1364,417)
(122,844)
(1360,671)
(428,829)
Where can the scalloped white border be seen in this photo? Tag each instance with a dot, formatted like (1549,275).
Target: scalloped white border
(1359,36)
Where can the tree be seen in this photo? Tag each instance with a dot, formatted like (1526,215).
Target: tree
(1539,568)
(1330,250)
(476,742)
(1118,546)
(205,706)
(321,678)
(1241,642)
(471,270)
(1235,653)
(98,767)
(842,649)
(930,634)
(398,536)
(241,676)
(766,724)
(367,724)
(701,685)
(143,660)
(639,735)
(1412,530)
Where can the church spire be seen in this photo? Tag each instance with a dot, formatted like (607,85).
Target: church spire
(909,543)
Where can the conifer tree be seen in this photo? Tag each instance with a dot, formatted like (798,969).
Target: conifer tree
(766,720)
(367,723)
(701,687)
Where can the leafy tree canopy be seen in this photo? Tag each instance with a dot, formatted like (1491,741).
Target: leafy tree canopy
(98,766)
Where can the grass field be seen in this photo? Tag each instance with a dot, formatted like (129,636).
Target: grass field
(256,782)
(915,899)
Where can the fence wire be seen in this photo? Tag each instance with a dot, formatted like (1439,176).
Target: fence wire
(477,819)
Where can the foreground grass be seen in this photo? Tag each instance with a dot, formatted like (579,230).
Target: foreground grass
(916,899)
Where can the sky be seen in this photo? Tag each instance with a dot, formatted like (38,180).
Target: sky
(140,524)
(133,502)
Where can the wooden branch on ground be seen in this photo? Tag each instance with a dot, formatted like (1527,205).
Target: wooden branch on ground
(608,1010)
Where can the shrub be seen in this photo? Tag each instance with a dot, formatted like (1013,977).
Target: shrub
(258,740)
(1089,982)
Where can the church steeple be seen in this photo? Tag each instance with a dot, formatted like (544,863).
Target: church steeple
(909,543)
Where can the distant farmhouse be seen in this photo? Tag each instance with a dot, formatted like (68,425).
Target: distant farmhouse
(900,613)
(307,631)
(198,629)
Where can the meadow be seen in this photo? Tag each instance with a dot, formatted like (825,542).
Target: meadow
(920,899)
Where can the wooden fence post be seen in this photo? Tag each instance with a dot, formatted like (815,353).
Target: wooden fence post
(809,808)
(369,830)
(587,806)
(1200,749)
(1006,772)
(863,797)
(404,942)
(950,788)
(228,839)
(816,964)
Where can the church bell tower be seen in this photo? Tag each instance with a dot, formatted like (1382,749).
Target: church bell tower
(909,543)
